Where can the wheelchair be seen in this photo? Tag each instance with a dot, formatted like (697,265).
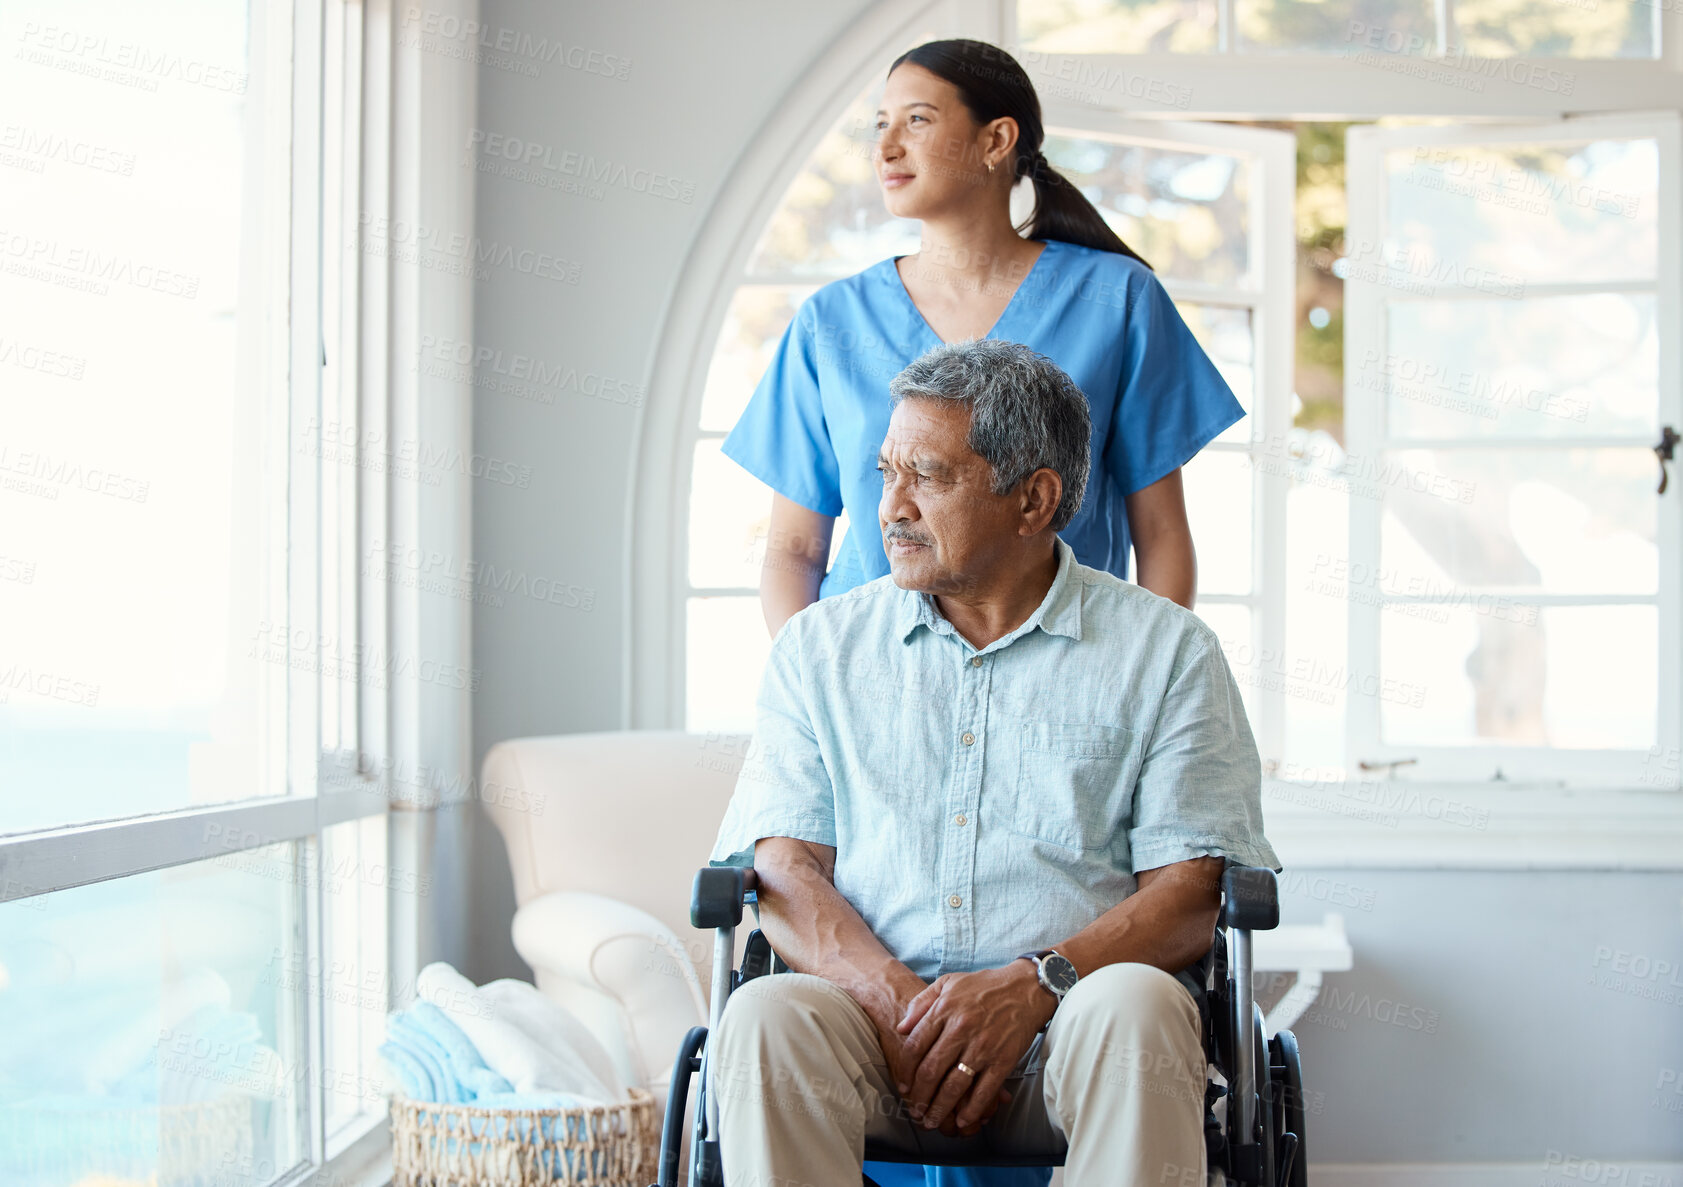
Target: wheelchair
(1253,1092)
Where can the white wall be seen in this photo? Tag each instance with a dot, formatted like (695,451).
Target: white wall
(1531,1053)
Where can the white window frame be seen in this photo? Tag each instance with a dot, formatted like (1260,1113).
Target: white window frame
(1239,84)
(1367,436)
(351,136)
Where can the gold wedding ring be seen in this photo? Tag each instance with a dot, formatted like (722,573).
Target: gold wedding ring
(966,1069)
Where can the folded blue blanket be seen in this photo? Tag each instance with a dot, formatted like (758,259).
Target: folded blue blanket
(434,1061)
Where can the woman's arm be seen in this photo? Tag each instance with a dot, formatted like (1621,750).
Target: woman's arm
(1163,555)
(797,553)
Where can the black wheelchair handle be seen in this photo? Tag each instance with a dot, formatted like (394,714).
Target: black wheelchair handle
(1250,898)
(716,897)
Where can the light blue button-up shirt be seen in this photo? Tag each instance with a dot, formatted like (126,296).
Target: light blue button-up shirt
(986,803)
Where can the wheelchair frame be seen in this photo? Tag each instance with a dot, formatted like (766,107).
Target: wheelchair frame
(1270,1116)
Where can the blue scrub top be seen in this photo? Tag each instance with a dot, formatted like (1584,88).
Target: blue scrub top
(815,423)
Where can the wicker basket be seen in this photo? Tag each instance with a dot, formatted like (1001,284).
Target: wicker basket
(448,1145)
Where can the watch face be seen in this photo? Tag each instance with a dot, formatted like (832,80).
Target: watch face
(1059,973)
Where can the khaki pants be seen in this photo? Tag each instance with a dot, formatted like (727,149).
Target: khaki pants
(1117,1081)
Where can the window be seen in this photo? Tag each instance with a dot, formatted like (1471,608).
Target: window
(135,299)
(194,859)
(1512,303)
(1456,29)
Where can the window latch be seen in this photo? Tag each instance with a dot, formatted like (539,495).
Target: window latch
(1389,767)
(1664,451)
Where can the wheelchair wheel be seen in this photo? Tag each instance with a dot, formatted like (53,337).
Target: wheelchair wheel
(1287,1073)
(672,1128)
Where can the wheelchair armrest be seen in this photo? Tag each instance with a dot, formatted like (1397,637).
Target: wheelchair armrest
(717,896)
(1250,898)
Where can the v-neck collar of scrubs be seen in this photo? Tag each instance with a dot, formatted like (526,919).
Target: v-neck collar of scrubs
(918,319)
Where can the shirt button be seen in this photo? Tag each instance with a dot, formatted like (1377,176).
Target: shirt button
(976,661)
(969,738)
(961,820)
(955,901)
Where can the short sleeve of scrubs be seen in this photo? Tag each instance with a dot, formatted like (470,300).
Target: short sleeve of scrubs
(781,437)
(1171,400)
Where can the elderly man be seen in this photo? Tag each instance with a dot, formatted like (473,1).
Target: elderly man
(989,798)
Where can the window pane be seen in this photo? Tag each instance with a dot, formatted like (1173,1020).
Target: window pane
(1226,336)
(1337,26)
(1317,593)
(132,303)
(1556,521)
(1485,219)
(1233,625)
(837,535)
(754,324)
(1186,211)
(354,978)
(1556,28)
(728,645)
(1573,677)
(1544,367)
(730,516)
(146,1034)
(1115,27)
(832,221)
(1218,507)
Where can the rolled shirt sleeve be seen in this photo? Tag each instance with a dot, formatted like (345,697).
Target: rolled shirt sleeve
(1199,789)
(1172,400)
(784,788)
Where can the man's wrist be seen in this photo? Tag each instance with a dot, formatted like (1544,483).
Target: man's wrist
(890,994)
(1042,997)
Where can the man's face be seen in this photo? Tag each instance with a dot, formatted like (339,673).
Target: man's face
(944,529)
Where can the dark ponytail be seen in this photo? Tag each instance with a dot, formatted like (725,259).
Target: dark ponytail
(992,85)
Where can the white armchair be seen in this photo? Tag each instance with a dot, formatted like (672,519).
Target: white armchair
(605,832)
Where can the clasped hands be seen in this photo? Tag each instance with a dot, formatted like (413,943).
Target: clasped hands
(985,1020)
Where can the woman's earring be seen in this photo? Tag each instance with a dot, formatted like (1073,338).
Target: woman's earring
(990,166)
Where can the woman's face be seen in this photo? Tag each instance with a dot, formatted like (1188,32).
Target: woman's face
(931,157)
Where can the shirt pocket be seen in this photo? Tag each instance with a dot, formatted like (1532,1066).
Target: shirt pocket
(1074,780)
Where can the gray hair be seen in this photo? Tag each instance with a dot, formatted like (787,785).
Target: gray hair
(1025,412)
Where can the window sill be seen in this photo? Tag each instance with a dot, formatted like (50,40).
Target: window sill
(1402,825)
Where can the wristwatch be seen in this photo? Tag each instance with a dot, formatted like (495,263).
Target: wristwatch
(1056,973)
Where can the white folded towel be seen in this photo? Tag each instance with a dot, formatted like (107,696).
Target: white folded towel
(534,1042)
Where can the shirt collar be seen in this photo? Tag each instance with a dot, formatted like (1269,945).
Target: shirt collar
(1059,612)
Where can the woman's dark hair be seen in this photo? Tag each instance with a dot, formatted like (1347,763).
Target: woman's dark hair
(992,85)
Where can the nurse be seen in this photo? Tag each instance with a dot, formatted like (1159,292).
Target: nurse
(959,126)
